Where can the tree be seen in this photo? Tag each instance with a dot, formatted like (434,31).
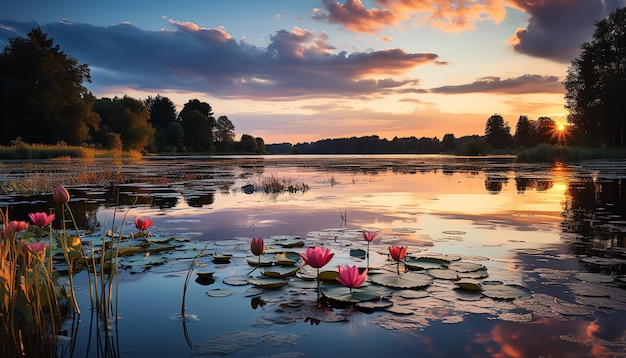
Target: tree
(524,132)
(448,142)
(162,114)
(224,133)
(497,132)
(546,130)
(41,93)
(248,143)
(198,122)
(596,82)
(127,117)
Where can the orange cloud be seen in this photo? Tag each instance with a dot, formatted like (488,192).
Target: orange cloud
(451,16)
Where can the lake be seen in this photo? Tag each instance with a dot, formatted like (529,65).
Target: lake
(545,242)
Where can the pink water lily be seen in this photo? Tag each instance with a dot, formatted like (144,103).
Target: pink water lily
(142,223)
(41,219)
(317,257)
(13,227)
(397,253)
(369,236)
(37,247)
(349,276)
(256,246)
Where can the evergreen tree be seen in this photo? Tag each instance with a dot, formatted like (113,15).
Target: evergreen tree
(42,93)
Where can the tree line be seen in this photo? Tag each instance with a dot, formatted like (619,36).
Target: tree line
(44,102)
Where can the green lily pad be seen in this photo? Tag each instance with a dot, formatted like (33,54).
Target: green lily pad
(221,259)
(267,282)
(443,274)
(424,264)
(409,280)
(358,253)
(280,271)
(329,276)
(505,292)
(361,294)
(465,266)
(468,284)
(594,277)
(143,261)
(286,258)
(294,242)
(264,260)
(430,259)
(219,292)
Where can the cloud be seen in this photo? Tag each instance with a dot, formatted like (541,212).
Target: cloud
(557,28)
(446,15)
(296,62)
(518,85)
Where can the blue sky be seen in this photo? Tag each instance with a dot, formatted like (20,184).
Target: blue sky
(298,71)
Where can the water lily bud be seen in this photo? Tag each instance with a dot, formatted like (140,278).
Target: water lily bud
(60,195)
(256,246)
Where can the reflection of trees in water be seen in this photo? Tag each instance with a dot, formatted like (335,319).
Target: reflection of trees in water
(595,209)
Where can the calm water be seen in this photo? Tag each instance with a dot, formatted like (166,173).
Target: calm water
(524,223)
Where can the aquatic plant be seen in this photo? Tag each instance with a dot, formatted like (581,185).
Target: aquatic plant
(397,253)
(350,277)
(369,236)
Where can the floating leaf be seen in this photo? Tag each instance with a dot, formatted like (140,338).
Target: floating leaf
(424,263)
(342,294)
(219,292)
(236,280)
(358,253)
(221,259)
(287,258)
(295,242)
(143,261)
(469,284)
(205,274)
(264,260)
(405,280)
(594,277)
(329,276)
(505,292)
(411,294)
(465,266)
(268,283)
(443,274)
(280,271)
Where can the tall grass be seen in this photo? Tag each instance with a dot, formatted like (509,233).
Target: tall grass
(60,152)
(545,153)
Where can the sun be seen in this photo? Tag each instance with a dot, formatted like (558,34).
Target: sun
(560,127)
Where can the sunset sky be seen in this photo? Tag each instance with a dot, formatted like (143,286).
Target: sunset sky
(300,71)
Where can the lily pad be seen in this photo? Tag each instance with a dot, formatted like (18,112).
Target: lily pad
(221,259)
(287,258)
(409,280)
(465,266)
(264,260)
(280,271)
(594,277)
(424,264)
(268,283)
(342,294)
(358,253)
(505,292)
(443,274)
(143,261)
(468,284)
(219,292)
(295,242)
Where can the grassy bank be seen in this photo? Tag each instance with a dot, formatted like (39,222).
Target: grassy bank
(42,151)
(545,153)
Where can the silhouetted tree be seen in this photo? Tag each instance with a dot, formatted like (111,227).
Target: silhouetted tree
(524,132)
(448,142)
(497,132)
(596,83)
(224,133)
(198,123)
(41,93)
(546,130)
(248,143)
(162,114)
